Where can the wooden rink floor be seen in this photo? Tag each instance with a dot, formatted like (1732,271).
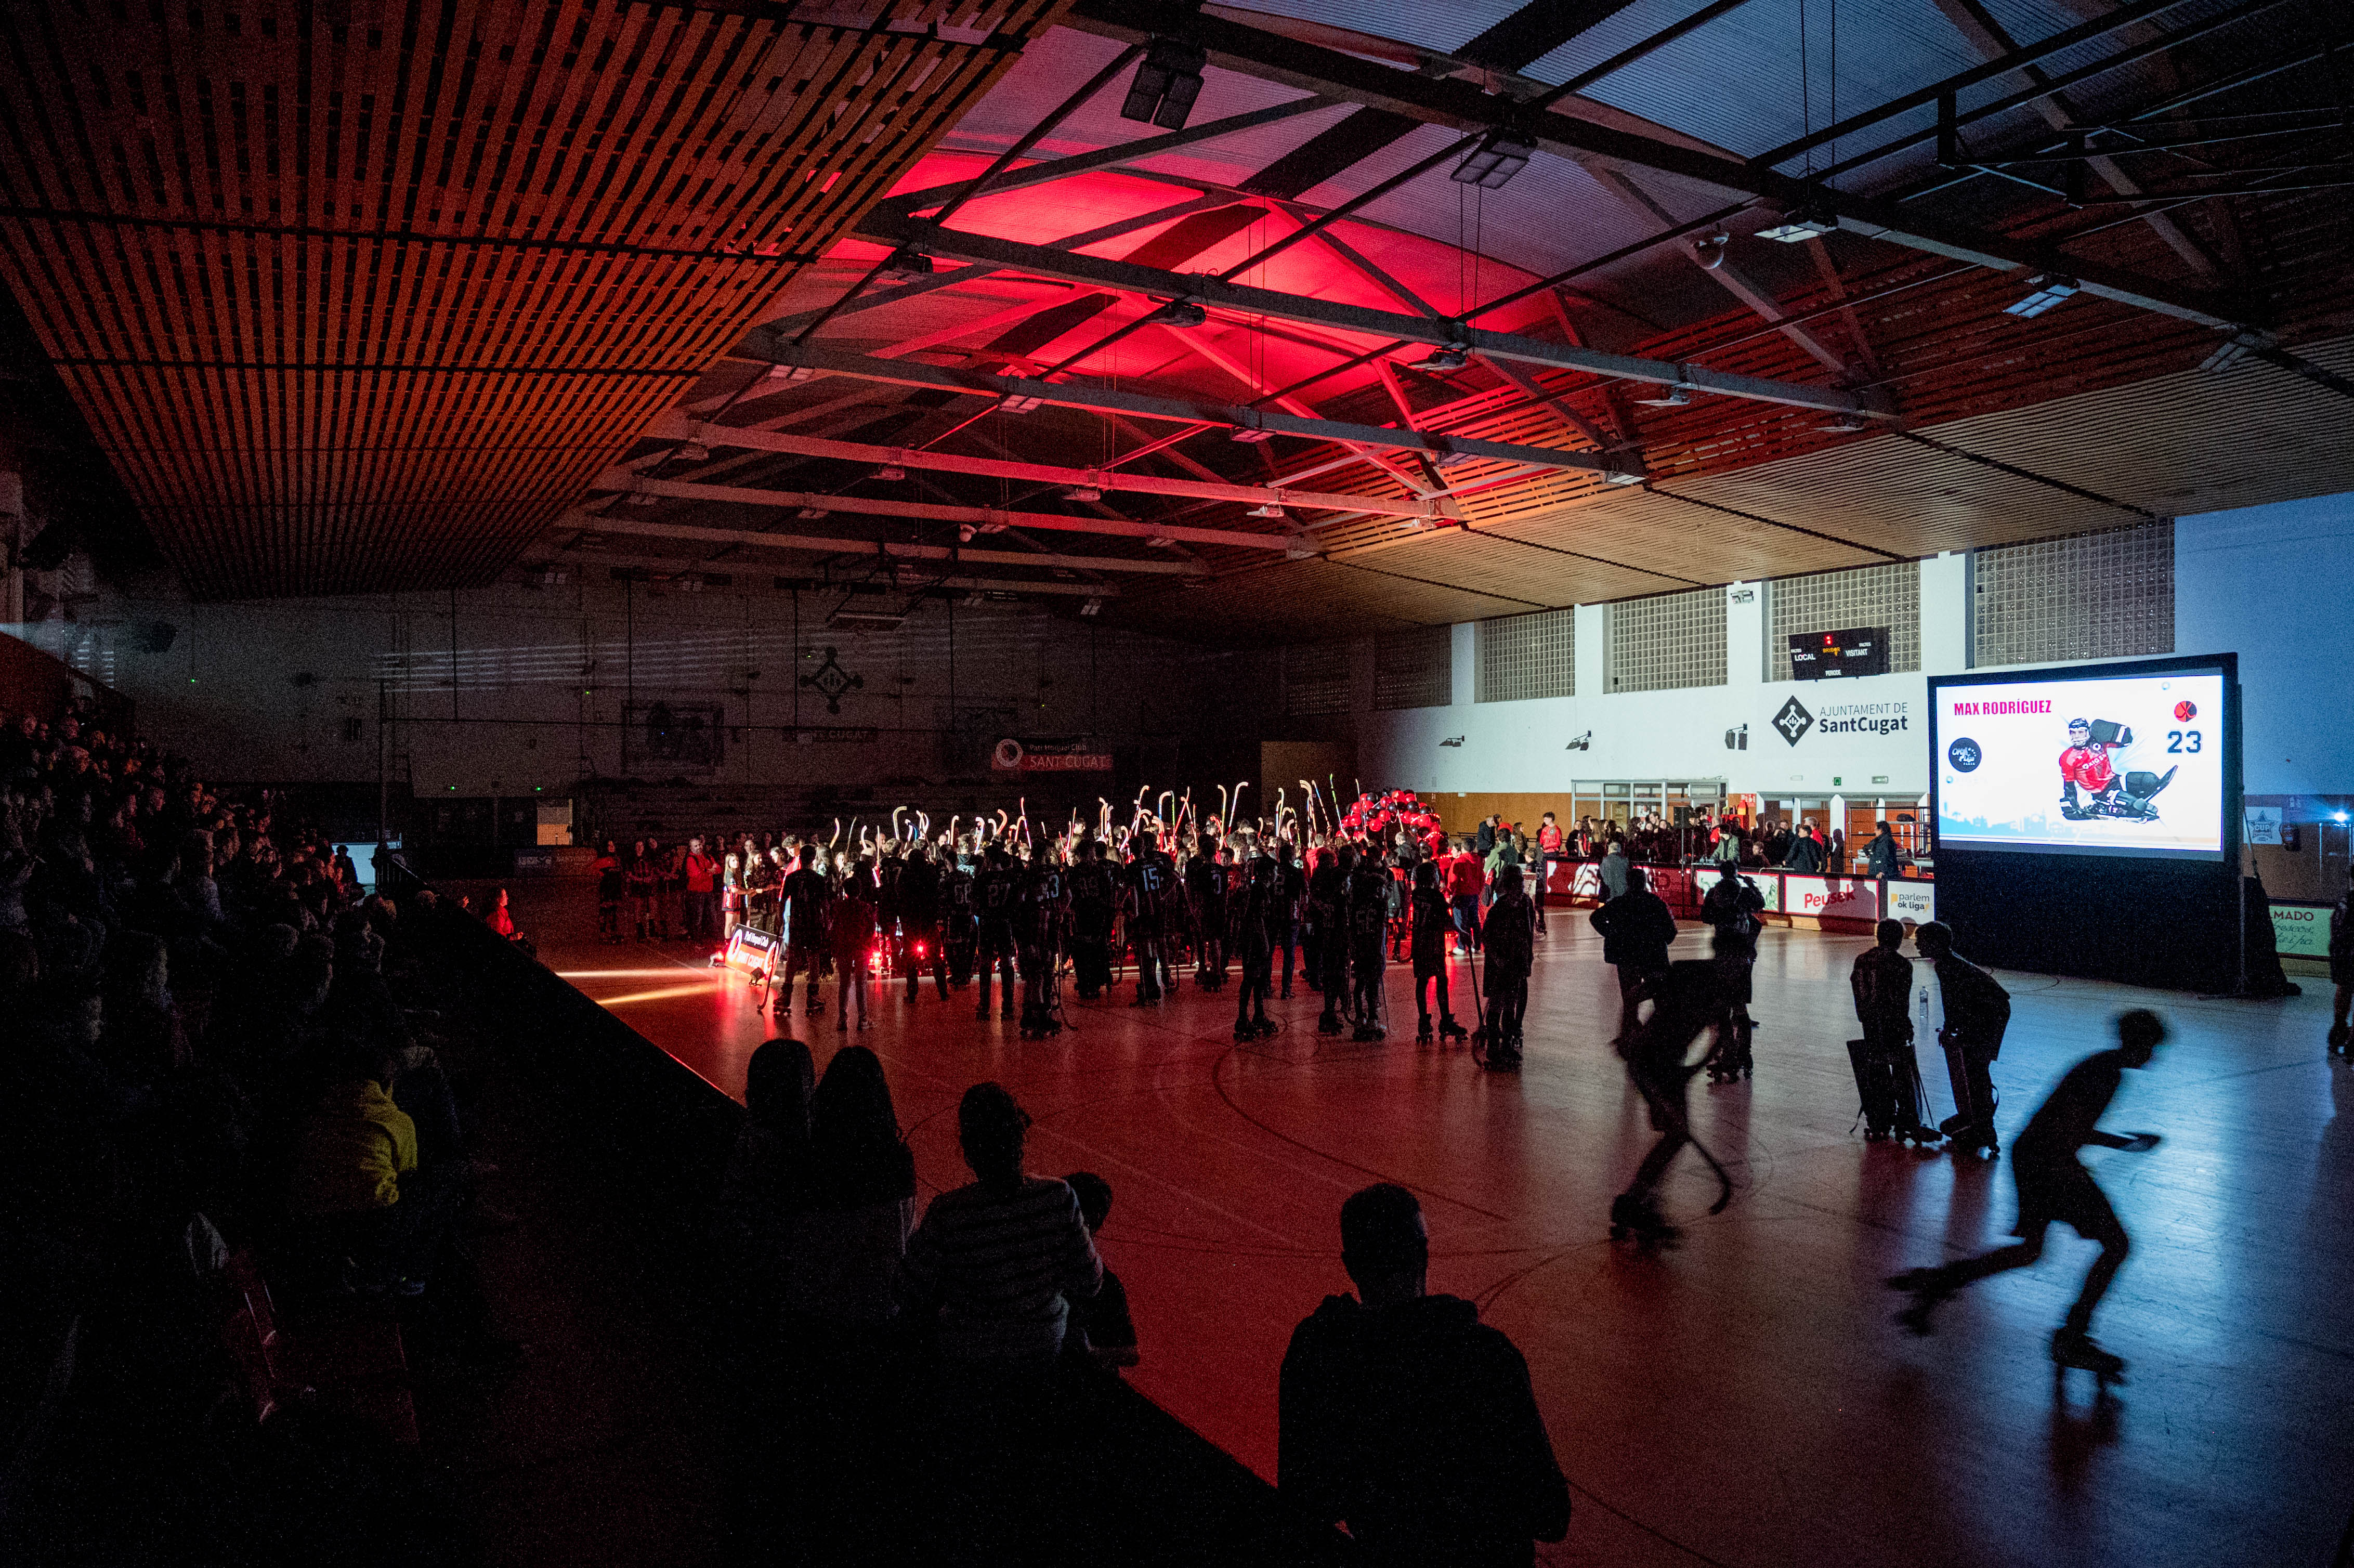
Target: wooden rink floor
(1743,1398)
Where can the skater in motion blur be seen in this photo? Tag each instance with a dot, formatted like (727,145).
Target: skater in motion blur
(2054,1188)
(1731,910)
(1978,1011)
(1691,998)
(1509,936)
(1887,1076)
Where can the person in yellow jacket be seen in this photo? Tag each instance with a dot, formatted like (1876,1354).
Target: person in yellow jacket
(357,1176)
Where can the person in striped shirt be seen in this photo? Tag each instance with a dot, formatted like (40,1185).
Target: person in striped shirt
(1000,1260)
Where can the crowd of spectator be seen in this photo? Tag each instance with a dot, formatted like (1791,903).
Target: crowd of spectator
(208,1058)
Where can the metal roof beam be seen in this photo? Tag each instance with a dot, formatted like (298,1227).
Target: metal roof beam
(992,517)
(1080,395)
(896,550)
(1103,272)
(1462,106)
(674,427)
(540,558)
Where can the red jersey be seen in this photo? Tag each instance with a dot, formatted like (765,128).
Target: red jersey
(1466,876)
(2088,766)
(1549,839)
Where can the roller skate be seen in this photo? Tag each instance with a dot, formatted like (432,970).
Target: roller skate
(1264,1026)
(2075,1348)
(1244,1030)
(1502,1057)
(2341,1040)
(1636,1217)
(1928,1288)
(1328,1023)
(1450,1029)
(1422,1033)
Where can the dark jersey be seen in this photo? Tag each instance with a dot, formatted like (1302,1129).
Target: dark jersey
(919,894)
(2065,1122)
(1089,883)
(1883,983)
(1038,919)
(806,894)
(995,891)
(1152,884)
(1432,921)
(956,902)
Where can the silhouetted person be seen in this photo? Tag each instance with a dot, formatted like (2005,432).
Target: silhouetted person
(1432,920)
(1887,1075)
(1253,915)
(1510,937)
(1688,999)
(2054,1187)
(1978,1011)
(1637,927)
(1731,910)
(2342,974)
(1404,1416)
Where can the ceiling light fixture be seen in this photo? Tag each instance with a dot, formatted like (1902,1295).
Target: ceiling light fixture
(642,498)
(903,265)
(1158,542)
(1451,357)
(2049,289)
(1166,84)
(1248,434)
(890,471)
(1082,492)
(1809,219)
(1620,476)
(1013,403)
(1270,510)
(2231,351)
(1300,550)
(1499,156)
(810,513)
(791,372)
(1183,314)
(1677,397)
(692,451)
(1846,424)
(1091,607)
(1709,249)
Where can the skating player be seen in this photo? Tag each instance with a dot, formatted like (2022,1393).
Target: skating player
(1688,999)
(1291,892)
(1433,921)
(2054,1187)
(1731,909)
(957,934)
(1206,894)
(920,920)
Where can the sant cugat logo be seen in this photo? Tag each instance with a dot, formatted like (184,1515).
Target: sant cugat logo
(1794,721)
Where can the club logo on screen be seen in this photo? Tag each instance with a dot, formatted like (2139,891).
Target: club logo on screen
(1794,721)
(2184,712)
(1965,755)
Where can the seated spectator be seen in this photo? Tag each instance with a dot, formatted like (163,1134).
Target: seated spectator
(1101,1329)
(357,1178)
(768,1166)
(856,1202)
(999,1261)
(1402,1415)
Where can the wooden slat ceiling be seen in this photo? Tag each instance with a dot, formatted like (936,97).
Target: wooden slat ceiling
(358,295)
(2168,446)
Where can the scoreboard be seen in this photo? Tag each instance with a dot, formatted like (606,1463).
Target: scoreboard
(1824,655)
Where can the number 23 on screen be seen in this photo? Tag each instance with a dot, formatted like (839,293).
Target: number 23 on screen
(2181,740)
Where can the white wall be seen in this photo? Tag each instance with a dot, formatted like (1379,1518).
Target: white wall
(2274,584)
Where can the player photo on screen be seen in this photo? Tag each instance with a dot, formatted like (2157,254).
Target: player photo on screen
(2118,766)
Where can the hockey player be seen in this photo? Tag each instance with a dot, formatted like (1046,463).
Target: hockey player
(1368,918)
(1887,1076)
(1205,898)
(1091,890)
(1731,909)
(920,920)
(804,898)
(1151,893)
(958,932)
(1038,936)
(995,891)
(1254,912)
(1978,1011)
(2054,1187)
(2084,764)
(1432,923)
(1291,892)
(1327,907)
(851,931)
(1508,934)
(1688,1002)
